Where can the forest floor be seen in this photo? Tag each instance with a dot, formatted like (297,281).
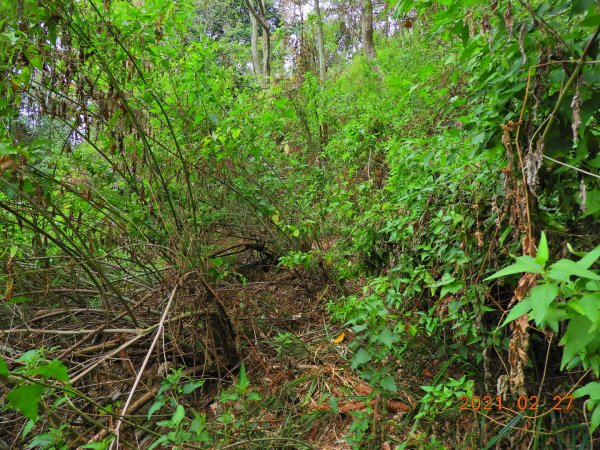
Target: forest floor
(299,363)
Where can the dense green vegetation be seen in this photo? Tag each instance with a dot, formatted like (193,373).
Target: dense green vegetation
(299,224)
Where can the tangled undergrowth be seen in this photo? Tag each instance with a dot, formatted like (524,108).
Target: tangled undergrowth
(402,253)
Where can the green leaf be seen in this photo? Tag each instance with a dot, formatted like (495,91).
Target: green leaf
(333,403)
(595,419)
(580,6)
(588,305)
(542,253)
(362,356)
(592,204)
(563,269)
(388,383)
(387,338)
(190,387)
(451,288)
(25,398)
(591,390)
(161,440)
(155,407)
(555,315)
(591,20)
(54,369)
(42,440)
(523,307)
(243,381)
(18,299)
(522,264)
(102,445)
(178,415)
(590,258)
(576,339)
(541,298)
(3,367)
(27,428)
(255,396)
(7,149)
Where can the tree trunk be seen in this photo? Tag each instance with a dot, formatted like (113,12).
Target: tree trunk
(367,29)
(260,18)
(320,42)
(266,43)
(254,43)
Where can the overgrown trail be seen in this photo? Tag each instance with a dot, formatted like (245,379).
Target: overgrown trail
(275,224)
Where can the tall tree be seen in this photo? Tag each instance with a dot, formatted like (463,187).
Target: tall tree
(320,42)
(266,43)
(254,40)
(260,17)
(367,29)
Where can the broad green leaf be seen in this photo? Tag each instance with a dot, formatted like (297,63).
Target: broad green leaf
(3,367)
(563,269)
(388,383)
(7,149)
(576,339)
(592,204)
(542,253)
(580,6)
(446,279)
(387,338)
(541,297)
(190,387)
(30,356)
(362,356)
(523,307)
(155,407)
(591,20)
(178,415)
(590,258)
(254,396)
(588,305)
(54,369)
(25,398)
(161,440)
(451,288)
(42,440)
(591,390)
(522,264)
(555,315)
(595,419)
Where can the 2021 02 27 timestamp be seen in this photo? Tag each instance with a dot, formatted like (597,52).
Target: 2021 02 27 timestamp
(522,403)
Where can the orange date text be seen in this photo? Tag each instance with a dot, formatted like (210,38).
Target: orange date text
(523,403)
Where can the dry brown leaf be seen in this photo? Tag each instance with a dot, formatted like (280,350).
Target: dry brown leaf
(5,162)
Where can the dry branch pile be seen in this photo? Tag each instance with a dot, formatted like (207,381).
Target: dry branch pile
(113,361)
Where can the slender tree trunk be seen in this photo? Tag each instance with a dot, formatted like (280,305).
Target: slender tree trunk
(266,43)
(367,29)
(260,18)
(320,43)
(254,43)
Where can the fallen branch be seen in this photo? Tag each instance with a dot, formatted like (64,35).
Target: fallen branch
(159,332)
